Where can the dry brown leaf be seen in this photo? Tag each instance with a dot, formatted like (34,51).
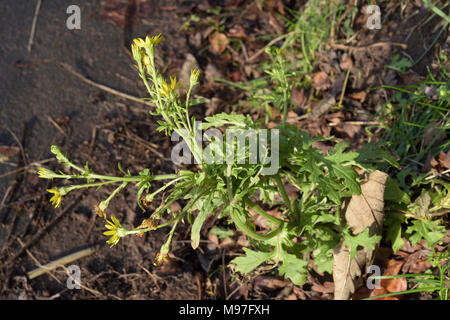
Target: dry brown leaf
(299,97)
(396,284)
(321,81)
(7,153)
(237,32)
(360,96)
(263,283)
(219,42)
(326,287)
(346,63)
(366,210)
(417,262)
(444,159)
(363,211)
(391,285)
(292,117)
(380,291)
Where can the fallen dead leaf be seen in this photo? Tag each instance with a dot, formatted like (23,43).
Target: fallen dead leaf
(298,97)
(237,31)
(346,63)
(360,96)
(219,42)
(417,262)
(321,81)
(270,283)
(7,153)
(363,211)
(380,291)
(397,284)
(326,287)
(292,117)
(444,159)
(391,285)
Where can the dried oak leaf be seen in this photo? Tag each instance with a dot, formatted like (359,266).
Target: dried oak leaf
(364,211)
(391,285)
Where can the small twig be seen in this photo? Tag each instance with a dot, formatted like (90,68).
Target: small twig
(8,190)
(103,87)
(373,45)
(199,286)
(437,175)
(57,126)
(61,261)
(146,144)
(39,234)
(344,87)
(360,123)
(36,163)
(224,276)
(22,151)
(151,276)
(233,292)
(261,51)
(36,261)
(33,26)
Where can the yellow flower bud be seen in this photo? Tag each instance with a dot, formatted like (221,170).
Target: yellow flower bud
(147,61)
(139,42)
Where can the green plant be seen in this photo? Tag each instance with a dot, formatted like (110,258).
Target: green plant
(309,225)
(415,119)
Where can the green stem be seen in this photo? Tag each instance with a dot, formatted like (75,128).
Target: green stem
(116,191)
(283,192)
(187,111)
(249,232)
(133,178)
(263,213)
(164,187)
(87,185)
(285,107)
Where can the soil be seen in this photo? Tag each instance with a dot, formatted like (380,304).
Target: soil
(43,104)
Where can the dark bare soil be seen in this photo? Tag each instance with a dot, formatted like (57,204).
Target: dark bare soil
(42,104)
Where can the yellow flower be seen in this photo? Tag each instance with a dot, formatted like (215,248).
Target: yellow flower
(153,41)
(137,52)
(139,42)
(115,230)
(56,198)
(147,61)
(195,74)
(167,89)
(46,173)
(149,41)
